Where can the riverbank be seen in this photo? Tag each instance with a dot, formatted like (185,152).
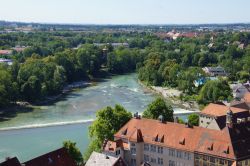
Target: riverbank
(172,95)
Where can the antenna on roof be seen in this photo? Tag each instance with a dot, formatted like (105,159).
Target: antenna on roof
(161,119)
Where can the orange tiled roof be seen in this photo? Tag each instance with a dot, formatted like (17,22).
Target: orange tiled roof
(178,136)
(5,52)
(220,110)
(247,97)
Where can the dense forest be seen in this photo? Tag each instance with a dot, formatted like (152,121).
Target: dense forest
(55,59)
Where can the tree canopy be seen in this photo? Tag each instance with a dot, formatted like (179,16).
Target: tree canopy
(193,119)
(159,107)
(108,121)
(73,151)
(215,90)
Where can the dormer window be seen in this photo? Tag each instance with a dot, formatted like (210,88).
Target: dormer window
(211,147)
(226,151)
(124,132)
(182,141)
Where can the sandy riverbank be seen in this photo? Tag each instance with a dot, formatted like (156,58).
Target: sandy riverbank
(174,96)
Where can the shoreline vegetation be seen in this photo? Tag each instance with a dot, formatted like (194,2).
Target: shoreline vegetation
(172,95)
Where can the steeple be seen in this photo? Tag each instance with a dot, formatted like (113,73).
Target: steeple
(229,118)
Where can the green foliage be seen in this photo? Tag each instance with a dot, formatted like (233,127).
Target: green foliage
(38,79)
(73,151)
(213,91)
(159,107)
(8,88)
(123,60)
(108,121)
(193,119)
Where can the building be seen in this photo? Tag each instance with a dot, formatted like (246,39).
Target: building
(215,71)
(99,159)
(114,45)
(157,143)
(239,90)
(7,61)
(5,52)
(213,116)
(59,157)
(11,162)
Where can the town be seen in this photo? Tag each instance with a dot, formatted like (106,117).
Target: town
(124,83)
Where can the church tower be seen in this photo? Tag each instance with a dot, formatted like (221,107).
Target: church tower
(229,118)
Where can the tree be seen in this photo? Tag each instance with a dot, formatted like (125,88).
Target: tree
(215,90)
(73,151)
(108,121)
(193,119)
(159,107)
(8,88)
(187,77)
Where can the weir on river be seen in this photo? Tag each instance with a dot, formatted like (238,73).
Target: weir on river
(30,133)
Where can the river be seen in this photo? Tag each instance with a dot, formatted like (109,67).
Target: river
(30,133)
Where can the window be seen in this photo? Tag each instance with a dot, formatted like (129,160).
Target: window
(153,160)
(117,152)
(146,147)
(187,156)
(160,161)
(171,163)
(152,148)
(160,149)
(146,158)
(132,144)
(178,154)
(133,162)
(172,152)
(133,150)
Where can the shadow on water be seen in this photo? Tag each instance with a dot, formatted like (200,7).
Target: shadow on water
(12,111)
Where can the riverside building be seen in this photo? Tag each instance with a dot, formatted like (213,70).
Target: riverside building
(155,142)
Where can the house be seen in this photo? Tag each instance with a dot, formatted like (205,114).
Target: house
(246,98)
(19,48)
(7,61)
(59,157)
(114,45)
(5,52)
(11,162)
(172,144)
(215,71)
(213,116)
(99,159)
(239,90)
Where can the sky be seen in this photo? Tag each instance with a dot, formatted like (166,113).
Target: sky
(126,11)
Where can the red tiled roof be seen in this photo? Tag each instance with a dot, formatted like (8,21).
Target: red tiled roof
(178,136)
(59,157)
(11,162)
(5,52)
(247,97)
(220,110)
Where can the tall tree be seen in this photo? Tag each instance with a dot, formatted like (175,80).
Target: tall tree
(74,152)
(159,107)
(108,121)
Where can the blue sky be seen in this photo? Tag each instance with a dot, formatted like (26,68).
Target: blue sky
(126,11)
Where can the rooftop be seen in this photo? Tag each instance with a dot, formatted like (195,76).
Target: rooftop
(11,162)
(217,110)
(99,159)
(59,157)
(223,143)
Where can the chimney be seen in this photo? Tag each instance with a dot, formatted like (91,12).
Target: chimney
(229,118)
(176,119)
(161,119)
(137,116)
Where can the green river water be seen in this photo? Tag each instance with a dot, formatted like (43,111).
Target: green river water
(34,132)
